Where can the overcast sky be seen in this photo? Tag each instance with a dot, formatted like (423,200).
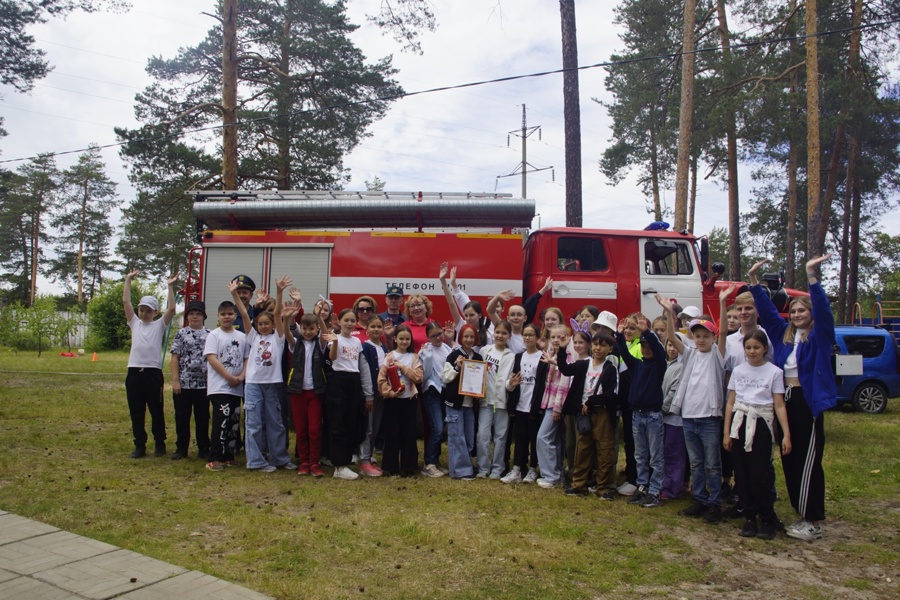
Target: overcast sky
(447,141)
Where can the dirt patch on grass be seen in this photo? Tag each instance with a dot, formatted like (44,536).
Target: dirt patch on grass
(755,569)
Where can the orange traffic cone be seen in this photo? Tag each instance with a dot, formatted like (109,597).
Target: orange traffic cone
(94,358)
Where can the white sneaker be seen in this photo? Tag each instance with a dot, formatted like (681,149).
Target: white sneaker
(431,471)
(804,530)
(345,473)
(514,476)
(530,477)
(627,489)
(546,483)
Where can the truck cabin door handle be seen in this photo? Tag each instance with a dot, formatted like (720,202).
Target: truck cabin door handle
(645,292)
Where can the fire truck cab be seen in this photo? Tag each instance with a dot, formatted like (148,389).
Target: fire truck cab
(616,270)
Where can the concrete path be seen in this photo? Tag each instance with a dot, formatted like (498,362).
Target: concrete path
(40,562)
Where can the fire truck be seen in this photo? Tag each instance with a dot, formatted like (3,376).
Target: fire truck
(341,245)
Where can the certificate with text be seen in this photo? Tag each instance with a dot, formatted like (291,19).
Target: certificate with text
(473,378)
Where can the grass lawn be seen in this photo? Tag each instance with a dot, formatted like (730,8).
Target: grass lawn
(64,444)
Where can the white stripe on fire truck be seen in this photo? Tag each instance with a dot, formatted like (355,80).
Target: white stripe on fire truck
(424,285)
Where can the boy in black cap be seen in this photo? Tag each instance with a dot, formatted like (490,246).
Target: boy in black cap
(189,382)
(393,297)
(245,289)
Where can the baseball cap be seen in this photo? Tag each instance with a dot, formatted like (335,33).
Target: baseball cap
(606,319)
(707,325)
(690,311)
(150,302)
(244,282)
(197,305)
(394,290)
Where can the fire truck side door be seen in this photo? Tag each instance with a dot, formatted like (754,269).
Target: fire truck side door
(308,266)
(221,265)
(668,267)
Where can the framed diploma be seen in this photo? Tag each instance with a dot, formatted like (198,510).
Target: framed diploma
(473,378)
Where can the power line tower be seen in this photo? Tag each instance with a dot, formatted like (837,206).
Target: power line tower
(523,167)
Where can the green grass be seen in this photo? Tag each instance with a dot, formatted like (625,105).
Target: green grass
(64,445)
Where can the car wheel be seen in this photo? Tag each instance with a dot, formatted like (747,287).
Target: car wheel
(870,397)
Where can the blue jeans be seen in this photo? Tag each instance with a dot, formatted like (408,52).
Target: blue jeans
(262,415)
(431,407)
(460,440)
(551,442)
(492,463)
(702,438)
(649,436)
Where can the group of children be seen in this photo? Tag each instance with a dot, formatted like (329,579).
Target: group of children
(681,385)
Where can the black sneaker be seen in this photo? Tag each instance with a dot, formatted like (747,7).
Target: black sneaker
(139,452)
(713,515)
(696,509)
(766,530)
(160,449)
(733,512)
(650,501)
(638,496)
(178,455)
(571,491)
(608,495)
(749,529)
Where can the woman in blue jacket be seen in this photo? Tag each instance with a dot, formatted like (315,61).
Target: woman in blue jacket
(803,350)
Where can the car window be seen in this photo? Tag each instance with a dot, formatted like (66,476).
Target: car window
(869,346)
(663,257)
(581,254)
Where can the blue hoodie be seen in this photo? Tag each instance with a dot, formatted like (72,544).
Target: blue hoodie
(813,356)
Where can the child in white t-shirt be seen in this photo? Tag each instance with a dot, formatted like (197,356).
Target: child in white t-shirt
(755,400)
(226,353)
(699,401)
(144,382)
(262,406)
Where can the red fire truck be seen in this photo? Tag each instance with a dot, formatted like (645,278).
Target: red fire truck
(342,245)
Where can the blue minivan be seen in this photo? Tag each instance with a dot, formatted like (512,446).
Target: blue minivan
(880,378)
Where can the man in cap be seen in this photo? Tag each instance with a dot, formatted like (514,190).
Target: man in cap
(393,297)
(245,290)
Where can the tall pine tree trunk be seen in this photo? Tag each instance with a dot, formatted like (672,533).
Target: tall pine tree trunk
(283,126)
(814,208)
(82,226)
(692,197)
(734,216)
(571,114)
(856,209)
(654,176)
(685,117)
(845,308)
(229,95)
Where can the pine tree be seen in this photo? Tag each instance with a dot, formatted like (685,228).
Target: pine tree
(83,230)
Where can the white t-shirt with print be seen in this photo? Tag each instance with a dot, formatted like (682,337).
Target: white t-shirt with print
(757,385)
(528,368)
(349,350)
(266,351)
(231,348)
